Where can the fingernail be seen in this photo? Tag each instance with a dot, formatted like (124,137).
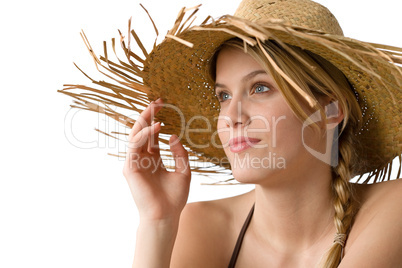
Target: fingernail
(158,99)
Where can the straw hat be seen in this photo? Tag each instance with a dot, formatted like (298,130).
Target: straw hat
(178,71)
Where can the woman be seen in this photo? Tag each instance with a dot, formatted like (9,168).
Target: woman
(292,225)
(301,111)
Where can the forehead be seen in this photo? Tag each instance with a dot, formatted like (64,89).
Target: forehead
(232,61)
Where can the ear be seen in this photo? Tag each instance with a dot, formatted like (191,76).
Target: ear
(334,114)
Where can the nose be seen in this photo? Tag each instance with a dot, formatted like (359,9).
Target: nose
(235,114)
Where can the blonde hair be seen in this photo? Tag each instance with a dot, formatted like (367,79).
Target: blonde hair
(316,77)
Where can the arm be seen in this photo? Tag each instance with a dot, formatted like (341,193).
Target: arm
(379,242)
(154,245)
(160,195)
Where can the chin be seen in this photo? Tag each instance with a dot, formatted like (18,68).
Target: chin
(252,176)
(252,170)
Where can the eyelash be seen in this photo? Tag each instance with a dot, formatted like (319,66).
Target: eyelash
(220,94)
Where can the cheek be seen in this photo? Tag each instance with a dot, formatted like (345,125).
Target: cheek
(285,133)
(288,126)
(223,129)
(282,122)
(294,140)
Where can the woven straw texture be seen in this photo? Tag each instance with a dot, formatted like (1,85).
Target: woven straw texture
(178,71)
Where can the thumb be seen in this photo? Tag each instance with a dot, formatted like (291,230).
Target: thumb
(180,156)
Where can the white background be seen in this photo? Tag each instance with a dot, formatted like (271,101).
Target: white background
(64,206)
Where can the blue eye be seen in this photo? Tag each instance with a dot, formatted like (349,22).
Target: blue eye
(261,89)
(223,96)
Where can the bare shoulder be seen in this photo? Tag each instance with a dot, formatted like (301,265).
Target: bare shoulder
(208,231)
(375,239)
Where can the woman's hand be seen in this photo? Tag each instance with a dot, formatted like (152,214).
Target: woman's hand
(159,194)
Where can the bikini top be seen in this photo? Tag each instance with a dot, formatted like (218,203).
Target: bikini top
(236,250)
(239,242)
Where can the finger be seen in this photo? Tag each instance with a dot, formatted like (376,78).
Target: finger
(135,153)
(180,156)
(153,144)
(146,116)
(132,163)
(139,143)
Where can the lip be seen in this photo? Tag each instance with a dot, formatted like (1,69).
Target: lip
(239,144)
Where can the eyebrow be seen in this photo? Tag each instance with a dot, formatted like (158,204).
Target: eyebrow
(245,78)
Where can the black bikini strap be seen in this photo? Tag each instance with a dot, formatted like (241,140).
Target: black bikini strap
(240,239)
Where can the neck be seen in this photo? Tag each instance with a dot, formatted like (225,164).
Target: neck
(296,213)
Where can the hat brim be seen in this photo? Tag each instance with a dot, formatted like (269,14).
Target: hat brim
(180,74)
(177,70)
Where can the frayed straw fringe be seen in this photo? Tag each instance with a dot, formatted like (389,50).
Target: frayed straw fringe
(130,93)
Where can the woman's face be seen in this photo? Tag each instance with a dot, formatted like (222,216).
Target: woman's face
(259,132)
